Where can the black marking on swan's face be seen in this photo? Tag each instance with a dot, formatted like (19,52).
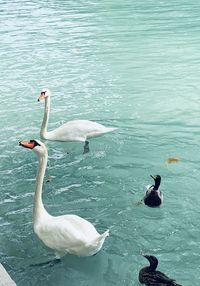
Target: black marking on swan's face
(35,142)
(44,93)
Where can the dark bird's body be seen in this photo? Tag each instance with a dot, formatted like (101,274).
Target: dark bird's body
(151,277)
(153,197)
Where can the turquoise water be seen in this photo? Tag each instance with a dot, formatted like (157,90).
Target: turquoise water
(134,65)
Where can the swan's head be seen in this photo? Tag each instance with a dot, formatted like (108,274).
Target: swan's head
(45,92)
(36,145)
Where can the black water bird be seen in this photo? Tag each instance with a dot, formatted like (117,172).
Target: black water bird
(151,277)
(153,197)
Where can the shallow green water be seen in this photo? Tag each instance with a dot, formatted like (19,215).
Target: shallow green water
(134,65)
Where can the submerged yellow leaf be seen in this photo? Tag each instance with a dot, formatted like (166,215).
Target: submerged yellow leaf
(172,160)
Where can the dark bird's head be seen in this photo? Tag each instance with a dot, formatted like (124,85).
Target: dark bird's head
(153,262)
(157,180)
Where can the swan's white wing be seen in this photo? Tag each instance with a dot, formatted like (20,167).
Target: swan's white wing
(78,130)
(68,233)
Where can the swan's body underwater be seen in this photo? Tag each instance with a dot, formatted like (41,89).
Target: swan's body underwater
(151,277)
(153,197)
(74,130)
(65,233)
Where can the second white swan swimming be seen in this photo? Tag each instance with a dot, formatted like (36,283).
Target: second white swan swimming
(74,130)
(65,233)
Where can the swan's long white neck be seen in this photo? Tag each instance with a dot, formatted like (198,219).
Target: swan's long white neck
(38,208)
(43,131)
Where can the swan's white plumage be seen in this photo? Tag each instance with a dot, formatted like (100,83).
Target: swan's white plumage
(65,233)
(77,130)
(74,130)
(70,234)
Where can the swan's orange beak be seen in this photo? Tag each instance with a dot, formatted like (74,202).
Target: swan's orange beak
(41,97)
(27,144)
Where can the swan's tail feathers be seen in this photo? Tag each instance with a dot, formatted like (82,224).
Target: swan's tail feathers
(97,244)
(105,234)
(110,129)
(102,237)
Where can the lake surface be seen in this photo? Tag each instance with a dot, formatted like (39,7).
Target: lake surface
(134,65)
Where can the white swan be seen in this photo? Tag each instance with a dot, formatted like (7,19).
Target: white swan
(74,130)
(65,233)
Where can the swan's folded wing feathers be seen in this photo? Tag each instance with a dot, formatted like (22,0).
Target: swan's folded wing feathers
(57,235)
